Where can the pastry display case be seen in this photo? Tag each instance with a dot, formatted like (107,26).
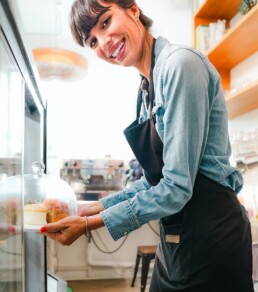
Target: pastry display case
(23,254)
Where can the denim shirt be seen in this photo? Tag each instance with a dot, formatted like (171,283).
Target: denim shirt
(191,120)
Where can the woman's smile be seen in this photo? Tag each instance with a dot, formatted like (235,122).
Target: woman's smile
(118,50)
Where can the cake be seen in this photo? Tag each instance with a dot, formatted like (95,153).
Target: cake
(51,210)
(35,214)
(57,210)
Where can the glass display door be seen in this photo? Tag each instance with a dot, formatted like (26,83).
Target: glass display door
(11,152)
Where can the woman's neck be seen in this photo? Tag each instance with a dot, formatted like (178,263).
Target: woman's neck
(144,66)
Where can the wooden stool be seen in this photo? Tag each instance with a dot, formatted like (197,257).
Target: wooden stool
(147,253)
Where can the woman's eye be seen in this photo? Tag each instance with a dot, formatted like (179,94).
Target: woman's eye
(93,42)
(106,22)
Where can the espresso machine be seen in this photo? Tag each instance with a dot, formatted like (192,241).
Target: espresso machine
(92,179)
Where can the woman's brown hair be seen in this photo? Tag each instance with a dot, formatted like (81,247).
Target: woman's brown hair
(85,13)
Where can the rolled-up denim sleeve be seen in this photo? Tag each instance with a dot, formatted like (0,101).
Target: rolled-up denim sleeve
(118,211)
(120,219)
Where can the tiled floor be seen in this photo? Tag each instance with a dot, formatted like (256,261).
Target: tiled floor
(121,285)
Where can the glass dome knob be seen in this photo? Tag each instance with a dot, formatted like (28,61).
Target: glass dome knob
(38,168)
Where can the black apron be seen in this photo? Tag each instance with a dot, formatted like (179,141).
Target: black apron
(211,246)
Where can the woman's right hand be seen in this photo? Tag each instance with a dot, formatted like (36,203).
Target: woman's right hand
(68,229)
(89,209)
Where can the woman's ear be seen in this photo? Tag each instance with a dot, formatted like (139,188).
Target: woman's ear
(135,11)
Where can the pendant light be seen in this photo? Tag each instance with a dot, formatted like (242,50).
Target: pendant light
(61,64)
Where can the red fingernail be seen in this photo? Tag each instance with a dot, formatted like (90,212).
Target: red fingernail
(43,229)
(12,229)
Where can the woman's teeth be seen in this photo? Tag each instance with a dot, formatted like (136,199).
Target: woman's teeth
(117,50)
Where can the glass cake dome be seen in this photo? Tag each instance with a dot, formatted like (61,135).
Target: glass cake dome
(46,198)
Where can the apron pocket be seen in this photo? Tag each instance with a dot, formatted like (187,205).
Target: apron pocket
(175,252)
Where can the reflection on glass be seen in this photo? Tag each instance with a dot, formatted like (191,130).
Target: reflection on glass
(11,112)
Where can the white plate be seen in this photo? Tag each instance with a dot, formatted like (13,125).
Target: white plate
(35,228)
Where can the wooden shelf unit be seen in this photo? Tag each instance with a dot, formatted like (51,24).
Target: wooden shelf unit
(218,9)
(242,101)
(212,10)
(240,42)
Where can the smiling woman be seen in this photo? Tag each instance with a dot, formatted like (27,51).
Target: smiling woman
(180,111)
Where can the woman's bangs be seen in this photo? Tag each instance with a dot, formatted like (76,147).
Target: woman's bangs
(91,16)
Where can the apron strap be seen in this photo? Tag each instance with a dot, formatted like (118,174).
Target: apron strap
(139,99)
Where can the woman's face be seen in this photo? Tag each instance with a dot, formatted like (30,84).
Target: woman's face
(118,36)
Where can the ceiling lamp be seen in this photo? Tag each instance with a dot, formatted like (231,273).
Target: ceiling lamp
(60,64)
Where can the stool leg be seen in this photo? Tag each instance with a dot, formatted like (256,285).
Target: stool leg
(138,257)
(145,270)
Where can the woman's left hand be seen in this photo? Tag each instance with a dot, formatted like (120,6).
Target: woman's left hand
(65,231)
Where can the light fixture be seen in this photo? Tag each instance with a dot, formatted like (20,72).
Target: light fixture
(61,64)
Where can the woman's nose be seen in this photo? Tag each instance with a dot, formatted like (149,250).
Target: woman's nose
(105,43)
